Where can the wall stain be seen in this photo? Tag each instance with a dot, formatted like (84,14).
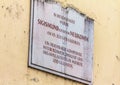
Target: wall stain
(35,80)
(118,58)
(24,32)
(9,9)
(46,74)
(2,6)
(4,35)
(14,10)
(14,80)
(98,65)
(113,84)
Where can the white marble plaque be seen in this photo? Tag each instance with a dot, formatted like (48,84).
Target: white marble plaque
(61,41)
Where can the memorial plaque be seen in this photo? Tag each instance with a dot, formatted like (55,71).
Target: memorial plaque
(61,41)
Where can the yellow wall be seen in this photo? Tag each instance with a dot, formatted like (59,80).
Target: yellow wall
(14,39)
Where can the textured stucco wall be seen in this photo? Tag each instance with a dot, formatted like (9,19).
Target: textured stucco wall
(14,39)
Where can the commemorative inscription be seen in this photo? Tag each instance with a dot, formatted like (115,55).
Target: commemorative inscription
(61,41)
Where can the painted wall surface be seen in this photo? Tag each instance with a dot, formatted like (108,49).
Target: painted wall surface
(14,41)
